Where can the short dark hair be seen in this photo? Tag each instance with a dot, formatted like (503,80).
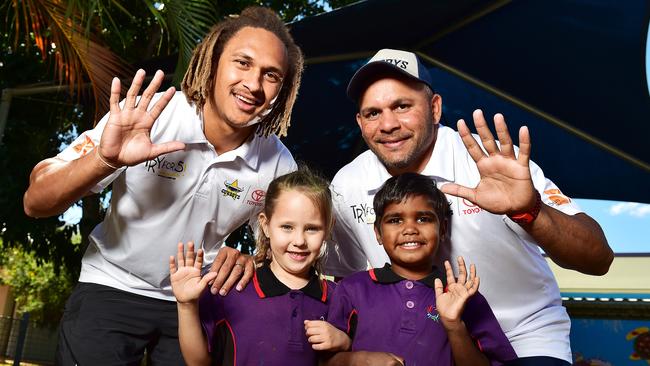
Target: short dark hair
(403,186)
(198,82)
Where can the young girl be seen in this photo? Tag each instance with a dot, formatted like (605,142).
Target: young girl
(269,321)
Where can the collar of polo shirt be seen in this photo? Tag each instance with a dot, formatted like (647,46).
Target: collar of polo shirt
(385,275)
(267,285)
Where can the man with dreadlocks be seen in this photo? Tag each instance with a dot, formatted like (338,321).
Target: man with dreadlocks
(185,166)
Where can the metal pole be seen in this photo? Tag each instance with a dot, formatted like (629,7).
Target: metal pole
(20,342)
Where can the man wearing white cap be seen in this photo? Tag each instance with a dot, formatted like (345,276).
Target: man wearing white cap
(504,208)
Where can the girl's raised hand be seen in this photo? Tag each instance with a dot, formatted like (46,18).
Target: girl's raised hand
(187,283)
(450,304)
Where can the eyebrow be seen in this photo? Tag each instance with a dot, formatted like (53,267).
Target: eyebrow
(417,213)
(245,56)
(393,104)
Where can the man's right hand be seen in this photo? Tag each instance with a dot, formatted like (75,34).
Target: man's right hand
(125,139)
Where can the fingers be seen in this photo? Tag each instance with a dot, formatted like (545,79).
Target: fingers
(114,100)
(484,133)
(165,148)
(462,271)
(161,103)
(450,273)
(134,89)
(249,270)
(236,272)
(471,145)
(180,256)
(459,191)
(172,265)
(223,264)
(189,256)
(207,278)
(505,142)
(524,146)
(151,90)
(437,286)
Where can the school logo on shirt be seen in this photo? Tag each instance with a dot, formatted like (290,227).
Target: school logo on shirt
(85,146)
(363,213)
(232,189)
(432,313)
(165,168)
(257,198)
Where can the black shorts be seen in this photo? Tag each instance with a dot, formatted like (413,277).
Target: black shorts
(102,325)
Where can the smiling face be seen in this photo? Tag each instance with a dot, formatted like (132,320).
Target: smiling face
(398,119)
(296,231)
(249,76)
(410,232)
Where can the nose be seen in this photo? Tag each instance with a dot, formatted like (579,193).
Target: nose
(299,239)
(253,81)
(410,229)
(389,122)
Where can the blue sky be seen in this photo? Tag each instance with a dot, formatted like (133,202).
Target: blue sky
(626,224)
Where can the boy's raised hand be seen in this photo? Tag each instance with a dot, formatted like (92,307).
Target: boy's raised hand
(125,139)
(450,304)
(323,336)
(185,277)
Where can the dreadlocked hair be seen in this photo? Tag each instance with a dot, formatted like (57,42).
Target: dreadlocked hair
(198,82)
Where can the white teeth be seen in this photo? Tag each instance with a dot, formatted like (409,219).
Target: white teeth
(410,244)
(244,99)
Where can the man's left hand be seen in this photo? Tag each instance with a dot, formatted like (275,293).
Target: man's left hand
(506,186)
(231,266)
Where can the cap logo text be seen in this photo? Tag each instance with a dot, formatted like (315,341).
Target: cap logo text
(402,64)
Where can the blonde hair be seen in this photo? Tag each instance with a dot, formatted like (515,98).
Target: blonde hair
(311,185)
(198,82)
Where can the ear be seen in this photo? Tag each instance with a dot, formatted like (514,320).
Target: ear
(358,116)
(264,223)
(378,235)
(442,230)
(436,108)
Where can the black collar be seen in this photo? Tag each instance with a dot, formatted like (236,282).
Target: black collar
(267,285)
(386,275)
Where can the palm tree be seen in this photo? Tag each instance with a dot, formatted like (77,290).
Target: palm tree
(75,35)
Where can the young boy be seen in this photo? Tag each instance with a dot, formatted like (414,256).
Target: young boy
(403,313)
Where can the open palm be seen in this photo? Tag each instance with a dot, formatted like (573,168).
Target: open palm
(505,186)
(451,303)
(125,139)
(186,280)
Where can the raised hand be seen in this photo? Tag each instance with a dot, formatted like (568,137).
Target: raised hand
(506,186)
(450,304)
(323,336)
(125,139)
(187,283)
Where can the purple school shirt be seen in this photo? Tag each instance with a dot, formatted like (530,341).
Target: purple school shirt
(383,312)
(263,324)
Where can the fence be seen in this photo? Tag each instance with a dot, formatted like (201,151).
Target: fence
(38,344)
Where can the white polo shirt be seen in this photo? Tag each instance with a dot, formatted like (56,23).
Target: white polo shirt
(515,278)
(194,194)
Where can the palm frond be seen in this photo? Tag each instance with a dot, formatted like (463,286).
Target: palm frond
(189,21)
(78,56)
